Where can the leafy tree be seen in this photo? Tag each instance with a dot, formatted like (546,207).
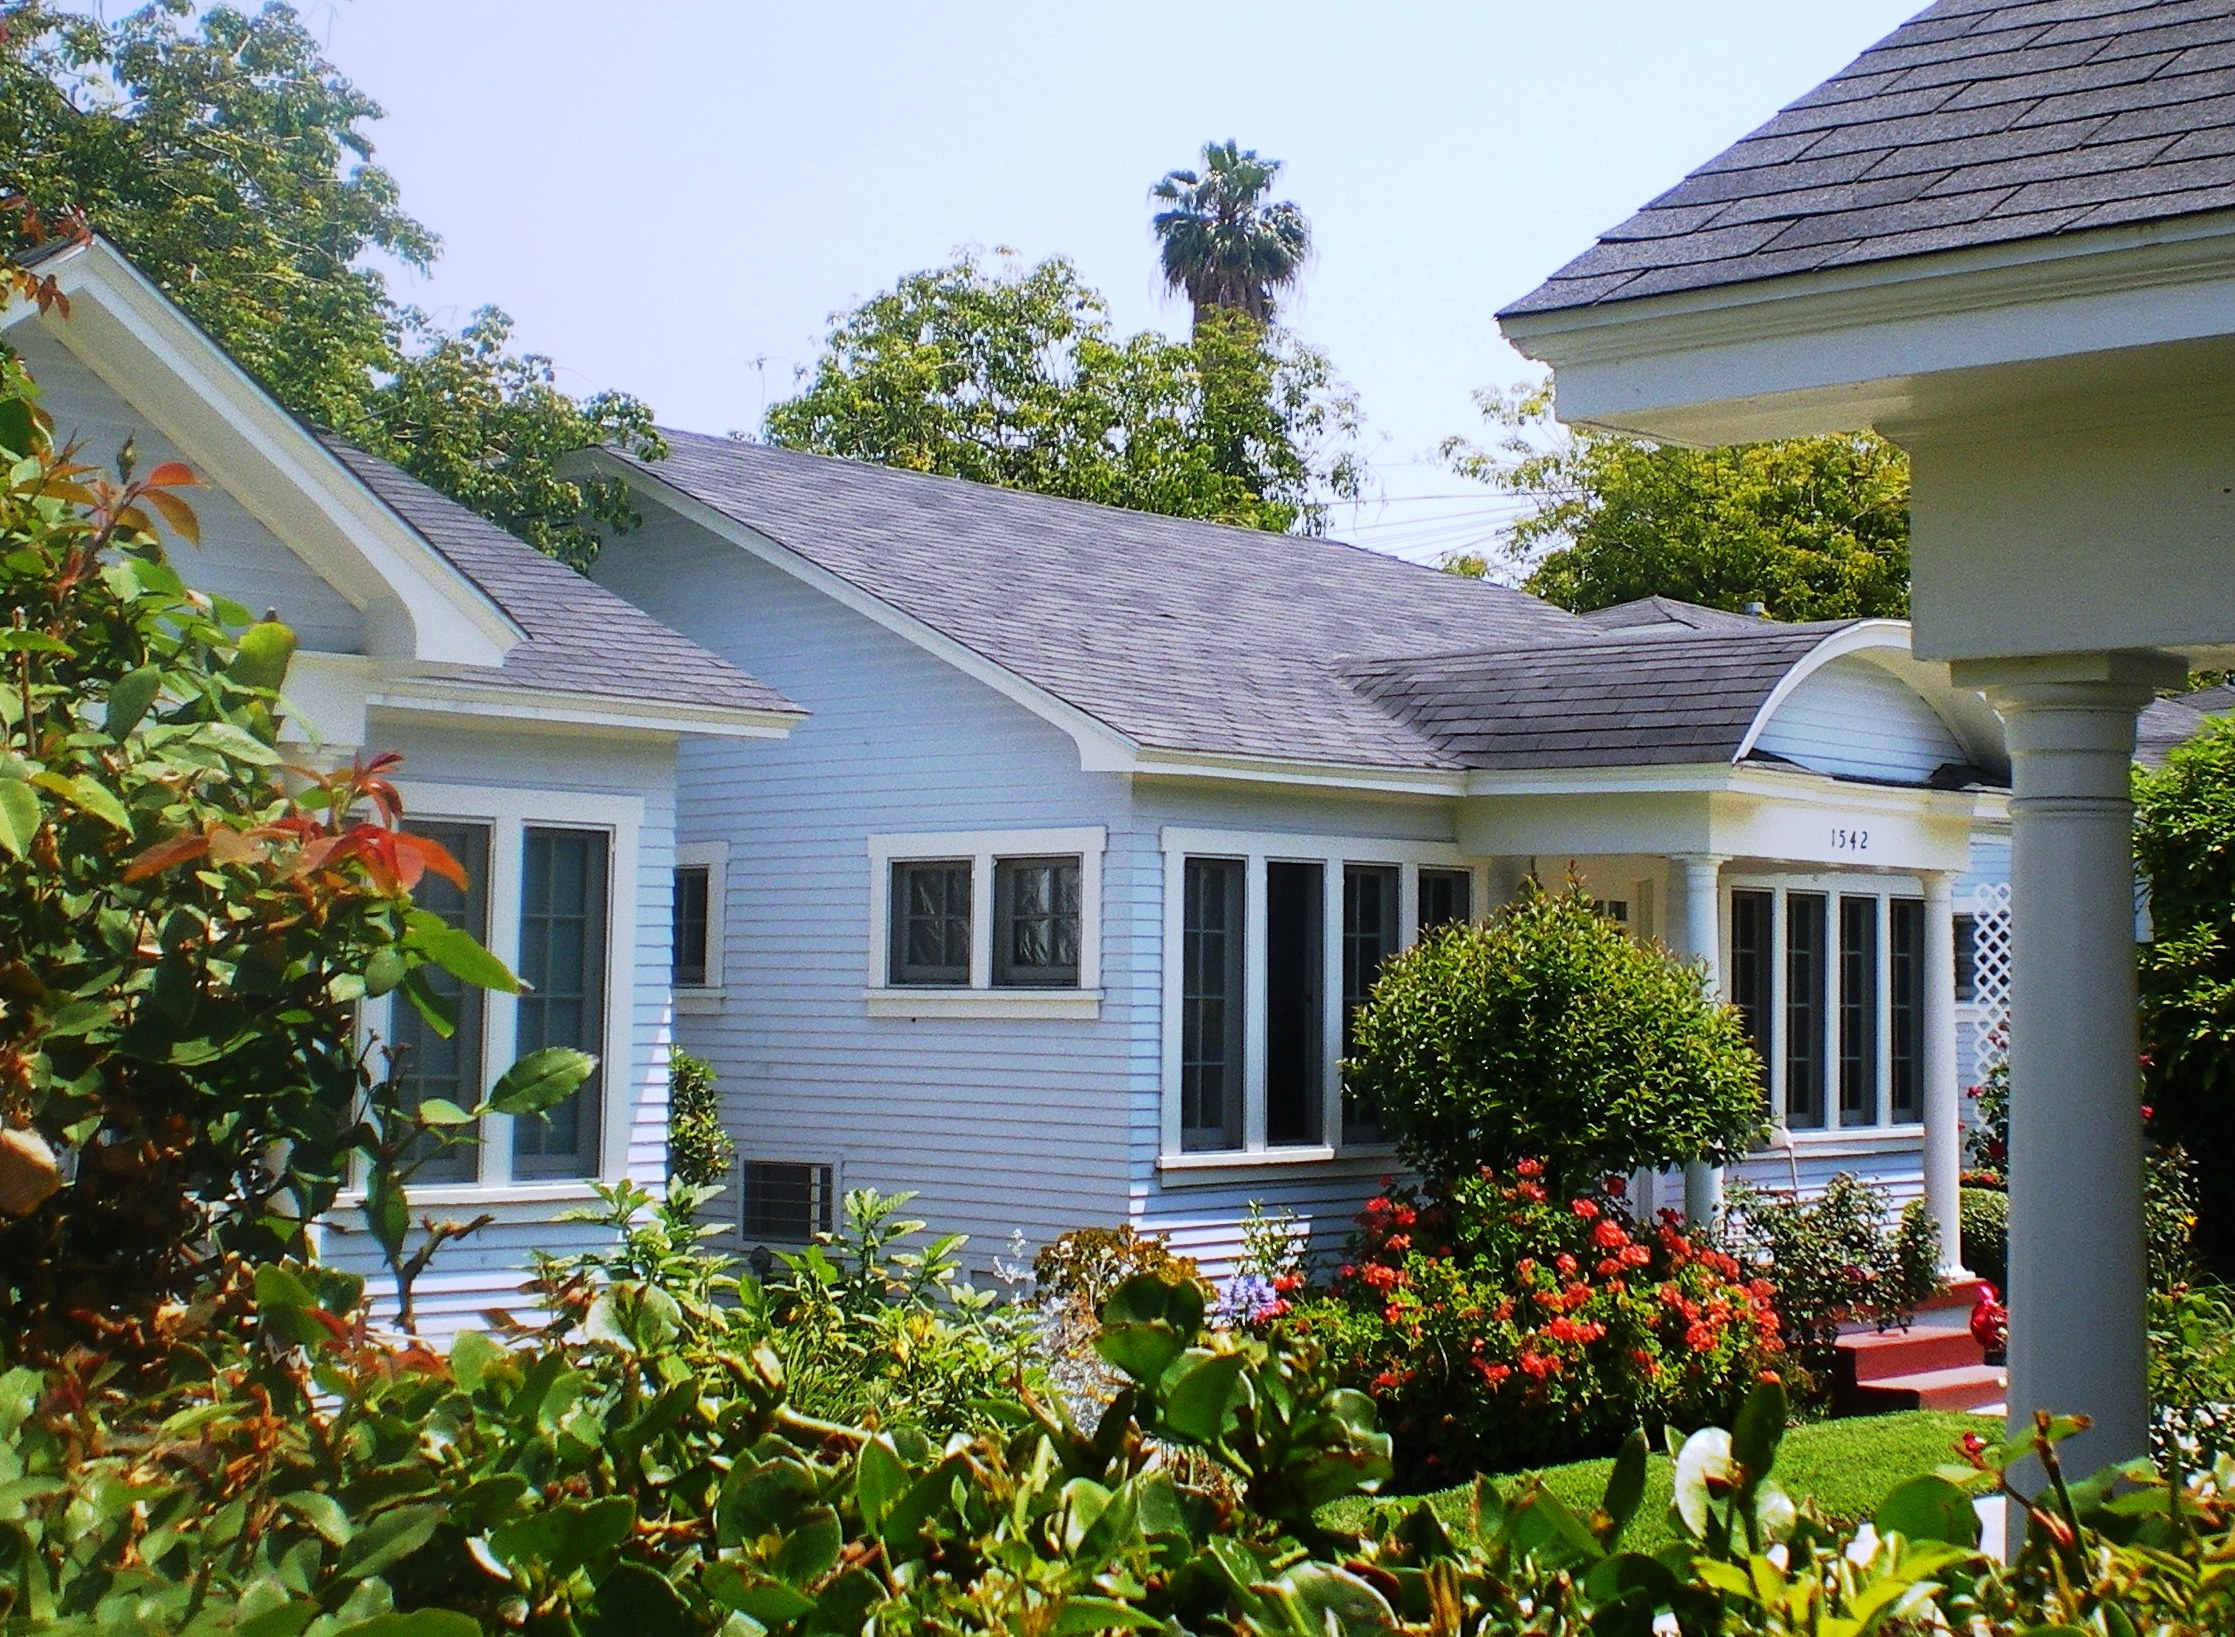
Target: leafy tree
(1811,528)
(1014,376)
(1551,1036)
(1221,243)
(229,160)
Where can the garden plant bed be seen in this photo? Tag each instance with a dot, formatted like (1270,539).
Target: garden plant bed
(1847,1466)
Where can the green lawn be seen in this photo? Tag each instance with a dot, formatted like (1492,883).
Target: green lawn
(1846,1466)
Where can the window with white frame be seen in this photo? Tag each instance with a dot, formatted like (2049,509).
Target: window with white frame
(1273,942)
(701,870)
(1828,973)
(986,923)
(550,893)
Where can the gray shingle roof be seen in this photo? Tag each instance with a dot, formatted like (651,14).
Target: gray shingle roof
(1180,635)
(2169,722)
(1621,698)
(1668,611)
(580,637)
(1977,122)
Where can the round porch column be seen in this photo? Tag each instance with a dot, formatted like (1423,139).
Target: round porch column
(1701,889)
(2077,1269)
(1943,1117)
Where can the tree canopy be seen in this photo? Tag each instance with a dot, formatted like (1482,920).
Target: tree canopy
(1811,528)
(1221,243)
(230,161)
(1014,375)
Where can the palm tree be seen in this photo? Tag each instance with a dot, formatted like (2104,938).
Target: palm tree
(1221,243)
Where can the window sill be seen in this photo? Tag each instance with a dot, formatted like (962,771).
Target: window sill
(1206,1169)
(699,1001)
(984,1003)
(1853,1139)
(507,1202)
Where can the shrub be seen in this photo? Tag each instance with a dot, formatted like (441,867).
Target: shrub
(1552,1034)
(700,1150)
(1986,1235)
(1497,1324)
(1834,1259)
(1086,1264)
(2192,1376)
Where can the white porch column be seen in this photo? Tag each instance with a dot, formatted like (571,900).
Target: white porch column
(2077,1268)
(1700,890)
(1942,1105)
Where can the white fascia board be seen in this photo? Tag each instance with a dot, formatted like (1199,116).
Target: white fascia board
(531,708)
(1784,784)
(418,605)
(1352,780)
(1844,349)
(1101,747)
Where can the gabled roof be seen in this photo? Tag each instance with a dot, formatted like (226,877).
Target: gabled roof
(1978,122)
(1178,635)
(1646,612)
(579,637)
(1621,698)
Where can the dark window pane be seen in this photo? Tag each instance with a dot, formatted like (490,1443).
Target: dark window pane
(1806,923)
(428,1065)
(1616,910)
(1369,938)
(1036,921)
(693,885)
(1907,1003)
(1211,1004)
(563,919)
(1295,1003)
(1967,958)
(1753,919)
(931,922)
(784,1202)
(1445,896)
(1858,1011)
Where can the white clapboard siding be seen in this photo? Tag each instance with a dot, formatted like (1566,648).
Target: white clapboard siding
(238,557)
(1859,721)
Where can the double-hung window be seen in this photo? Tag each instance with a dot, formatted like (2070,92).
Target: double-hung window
(986,924)
(1828,975)
(695,969)
(1272,944)
(551,884)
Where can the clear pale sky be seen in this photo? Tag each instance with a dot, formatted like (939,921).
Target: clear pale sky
(671,196)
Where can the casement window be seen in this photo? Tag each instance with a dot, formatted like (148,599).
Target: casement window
(986,924)
(552,882)
(1828,976)
(701,887)
(1967,959)
(784,1202)
(1272,943)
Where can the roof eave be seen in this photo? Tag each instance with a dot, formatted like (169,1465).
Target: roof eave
(517,706)
(1840,350)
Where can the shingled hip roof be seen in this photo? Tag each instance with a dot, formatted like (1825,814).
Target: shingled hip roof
(1978,122)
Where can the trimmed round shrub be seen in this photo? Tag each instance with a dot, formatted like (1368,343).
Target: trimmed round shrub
(1551,1034)
(1498,1325)
(1986,1235)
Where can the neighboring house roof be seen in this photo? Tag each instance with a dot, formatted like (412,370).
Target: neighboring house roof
(579,637)
(2168,722)
(1649,612)
(1621,698)
(1180,635)
(1977,122)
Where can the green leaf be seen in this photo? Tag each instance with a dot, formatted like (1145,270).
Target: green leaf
(811,1550)
(384,969)
(90,796)
(737,1585)
(20,815)
(879,1481)
(1759,1429)
(441,1111)
(1625,1487)
(131,696)
(1091,1614)
(1203,1395)
(386,1540)
(457,952)
(325,1515)
(760,1500)
(262,657)
(1929,1508)
(540,1080)
(567,1537)
(418,1623)
(635,1601)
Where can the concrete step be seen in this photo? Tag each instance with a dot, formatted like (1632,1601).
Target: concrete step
(1876,1356)
(1961,1387)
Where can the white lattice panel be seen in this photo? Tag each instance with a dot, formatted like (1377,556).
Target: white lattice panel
(1990,966)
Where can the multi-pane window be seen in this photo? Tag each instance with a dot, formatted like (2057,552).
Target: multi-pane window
(1295,1003)
(784,1202)
(563,910)
(1967,958)
(1211,949)
(1370,935)
(428,1064)
(1806,925)
(1036,921)
(1906,1008)
(1753,985)
(693,924)
(931,921)
(1858,1011)
(1445,896)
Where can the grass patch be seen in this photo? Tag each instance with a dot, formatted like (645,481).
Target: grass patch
(1847,1467)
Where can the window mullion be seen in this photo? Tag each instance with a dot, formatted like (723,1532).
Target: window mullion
(1331,937)
(1884,1022)
(1774,1044)
(981,921)
(500,1040)
(1255,990)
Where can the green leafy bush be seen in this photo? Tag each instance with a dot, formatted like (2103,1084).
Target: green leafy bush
(1834,1259)
(1986,1234)
(1551,1034)
(700,1150)
(1496,1324)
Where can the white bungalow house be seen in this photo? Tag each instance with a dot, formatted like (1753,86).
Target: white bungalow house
(540,719)
(1055,906)
(2004,237)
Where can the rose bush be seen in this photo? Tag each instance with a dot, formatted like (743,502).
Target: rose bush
(1497,1324)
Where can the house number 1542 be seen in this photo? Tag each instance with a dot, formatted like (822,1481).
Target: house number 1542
(1849,841)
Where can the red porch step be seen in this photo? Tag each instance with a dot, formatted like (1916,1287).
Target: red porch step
(1933,1365)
